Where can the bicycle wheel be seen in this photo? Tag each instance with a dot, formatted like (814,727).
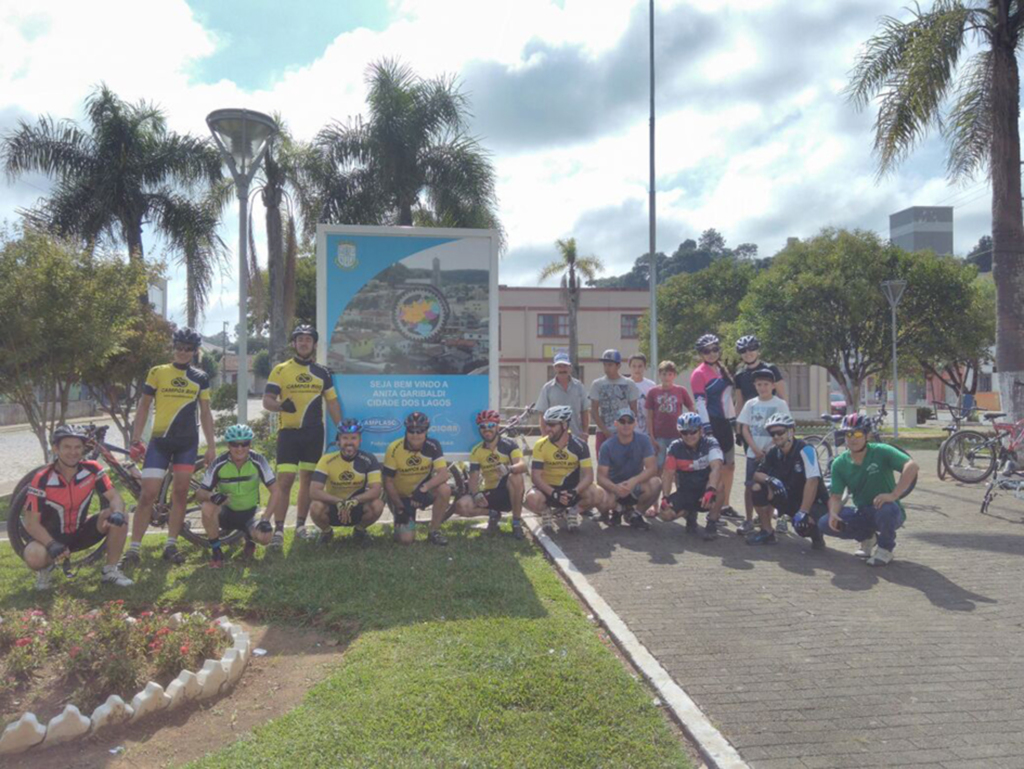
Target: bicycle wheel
(823,450)
(940,469)
(19,537)
(970,456)
(192,528)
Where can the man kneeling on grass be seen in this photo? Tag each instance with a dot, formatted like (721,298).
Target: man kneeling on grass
(230,493)
(496,470)
(346,486)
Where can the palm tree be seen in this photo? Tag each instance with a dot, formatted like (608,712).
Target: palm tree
(914,69)
(125,169)
(410,162)
(573,269)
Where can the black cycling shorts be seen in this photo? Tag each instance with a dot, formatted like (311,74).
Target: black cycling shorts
(85,536)
(299,448)
(685,500)
(235,520)
(499,498)
(355,515)
(419,500)
(722,430)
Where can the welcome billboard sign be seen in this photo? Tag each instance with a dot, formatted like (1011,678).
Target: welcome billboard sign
(408,319)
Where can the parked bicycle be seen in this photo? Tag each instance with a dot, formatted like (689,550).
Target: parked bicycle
(127,476)
(1010,478)
(959,416)
(971,456)
(833,442)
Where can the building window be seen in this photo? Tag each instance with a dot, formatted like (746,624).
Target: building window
(630,326)
(797,377)
(581,376)
(552,325)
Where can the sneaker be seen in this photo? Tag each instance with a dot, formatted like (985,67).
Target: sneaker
(360,537)
(493,519)
(44,578)
(691,523)
(129,558)
(547,520)
(325,537)
(762,538)
(572,518)
(114,576)
(587,513)
(616,519)
(866,546)
(249,551)
(782,524)
(710,531)
(301,532)
(277,541)
(517,529)
(747,527)
(637,521)
(729,512)
(172,554)
(817,540)
(880,557)
(437,538)
(216,558)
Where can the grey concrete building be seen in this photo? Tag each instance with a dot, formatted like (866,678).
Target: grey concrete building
(922,227)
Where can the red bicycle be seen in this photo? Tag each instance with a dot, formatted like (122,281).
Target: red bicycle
(971,456)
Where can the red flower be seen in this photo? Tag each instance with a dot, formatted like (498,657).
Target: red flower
(184,649)
(146,614)
(23,642)
(155,646)
(163,631)
(74,651)
(37,613)
(211,630)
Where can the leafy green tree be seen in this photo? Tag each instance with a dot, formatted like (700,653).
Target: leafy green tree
(125,169)
(410,162)
(573,269)
(62,310)
(261,364)
(981,255)
(692,304)
(914,70)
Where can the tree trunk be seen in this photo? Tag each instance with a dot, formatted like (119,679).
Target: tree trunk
(405,214)
(276,276)
(1007,224)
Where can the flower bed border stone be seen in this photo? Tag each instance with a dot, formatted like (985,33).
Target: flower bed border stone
(215,678)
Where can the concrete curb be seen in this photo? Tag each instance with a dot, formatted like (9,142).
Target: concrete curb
(713,746)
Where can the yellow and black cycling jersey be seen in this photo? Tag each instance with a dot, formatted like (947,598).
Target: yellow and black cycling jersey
(410,468)
(307,384)
(176,392)
(487,461)
(345,478)
(560,467)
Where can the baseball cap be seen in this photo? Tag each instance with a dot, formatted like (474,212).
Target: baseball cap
(763,373)
(562,358)
(614,356)
(625,411)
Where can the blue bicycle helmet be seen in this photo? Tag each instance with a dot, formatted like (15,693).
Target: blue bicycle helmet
(688,421)
(238,434)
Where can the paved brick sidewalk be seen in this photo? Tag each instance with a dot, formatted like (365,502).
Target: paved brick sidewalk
(811,659)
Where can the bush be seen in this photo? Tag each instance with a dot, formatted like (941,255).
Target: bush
(224,397)
(924,414)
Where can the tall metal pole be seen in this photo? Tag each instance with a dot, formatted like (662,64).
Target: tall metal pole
(243,301)
(651,246)
(895,382)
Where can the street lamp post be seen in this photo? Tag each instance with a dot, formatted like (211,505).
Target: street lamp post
(242,136)
(893,290)
(651,220)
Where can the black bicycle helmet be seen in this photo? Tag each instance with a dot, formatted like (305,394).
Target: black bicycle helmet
(707,340)
(305,328)
(349,426)
(187,336)
(417,420)
(747,343)
(60,432)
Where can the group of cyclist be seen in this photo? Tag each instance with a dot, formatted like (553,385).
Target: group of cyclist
(640,459)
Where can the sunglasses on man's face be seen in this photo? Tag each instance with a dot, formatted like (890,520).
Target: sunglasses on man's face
(710,350)
(626,420)
(415,430)
(857,434)
(244,445)
(489,426)
(689,432)
(777,433)
(183,348)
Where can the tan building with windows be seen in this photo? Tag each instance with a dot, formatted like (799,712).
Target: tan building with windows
(534,324)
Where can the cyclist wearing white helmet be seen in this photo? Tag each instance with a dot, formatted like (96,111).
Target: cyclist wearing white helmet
(789,480)
(694,465)
(230,493)
(562,473)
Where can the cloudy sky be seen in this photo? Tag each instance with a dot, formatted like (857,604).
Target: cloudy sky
(753,135)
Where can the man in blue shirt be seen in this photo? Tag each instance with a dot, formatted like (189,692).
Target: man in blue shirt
(627,471)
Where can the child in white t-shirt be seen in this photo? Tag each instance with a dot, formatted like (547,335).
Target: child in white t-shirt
(751,420)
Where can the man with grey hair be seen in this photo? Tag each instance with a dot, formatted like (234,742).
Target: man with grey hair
(565,390)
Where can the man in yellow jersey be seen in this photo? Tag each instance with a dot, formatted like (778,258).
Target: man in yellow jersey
(346,486)
(496,470)
(178,393)
(415,477)
(297,389)
(562,473)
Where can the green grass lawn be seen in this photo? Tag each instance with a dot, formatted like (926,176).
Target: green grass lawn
(470,655)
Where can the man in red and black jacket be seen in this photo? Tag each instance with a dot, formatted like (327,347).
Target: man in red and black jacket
(57,516)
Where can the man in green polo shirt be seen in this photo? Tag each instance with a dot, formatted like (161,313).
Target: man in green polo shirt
(230,493)
(866,471)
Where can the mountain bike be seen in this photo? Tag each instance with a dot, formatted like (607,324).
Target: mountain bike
(127,476)
(971,456)
(958,416)
(833,442)
(1010,478)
